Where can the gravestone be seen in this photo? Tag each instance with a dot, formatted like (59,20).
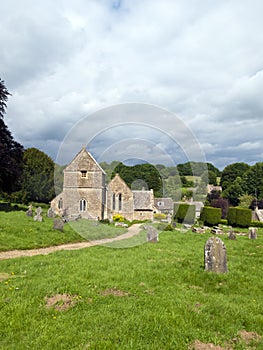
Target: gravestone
(38,216)
(231,235)
(152,234)
(169,218)
(215,255)
(50,213)
(252,233)
(58,224)
(29,212)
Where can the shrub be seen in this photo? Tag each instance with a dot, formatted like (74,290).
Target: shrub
(243,217)
(184,213)
(169,227)
(223,222)
(159,216)
(231,216)
(211,216)
(239,217)
(118,218)
(256,224)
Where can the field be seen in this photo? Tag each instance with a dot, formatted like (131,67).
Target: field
(152,296)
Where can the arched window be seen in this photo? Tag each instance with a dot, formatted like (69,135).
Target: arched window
(113,201)
(82,205)
(120,202)
(60,203)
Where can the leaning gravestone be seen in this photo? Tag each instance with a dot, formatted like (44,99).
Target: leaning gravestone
(38,216)
(50,213)
(58,224)
(252,233)
(29,212)
(215,255)
(152,234)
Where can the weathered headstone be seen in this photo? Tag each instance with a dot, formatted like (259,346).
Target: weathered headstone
(38,216)
(152,234)
(231,235)
(58,224)
(252,233)
(215,255)
(169,218)
(29,212)
(50,213)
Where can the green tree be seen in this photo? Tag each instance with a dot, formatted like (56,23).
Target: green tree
(233,192)
(147,173)
(252,182)
(209,177)
(38,176)
(245,201)
(231,172)
(11,152)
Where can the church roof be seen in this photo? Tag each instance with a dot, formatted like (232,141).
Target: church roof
(84,161)
(143,200)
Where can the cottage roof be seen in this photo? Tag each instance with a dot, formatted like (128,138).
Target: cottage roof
(164,203)
(143,200)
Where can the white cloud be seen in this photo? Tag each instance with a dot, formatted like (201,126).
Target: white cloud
(65,60)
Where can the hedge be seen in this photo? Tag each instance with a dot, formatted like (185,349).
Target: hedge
(184,213)
(211,216)
(231,216)
(256,224)
(239,217)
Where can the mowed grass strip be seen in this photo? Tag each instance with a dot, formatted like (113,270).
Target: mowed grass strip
(153,296)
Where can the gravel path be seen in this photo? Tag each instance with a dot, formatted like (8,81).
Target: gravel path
(132,231)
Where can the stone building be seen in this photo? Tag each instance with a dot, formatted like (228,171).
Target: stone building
(85,193)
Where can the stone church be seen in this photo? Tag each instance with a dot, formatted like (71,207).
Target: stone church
(86,194)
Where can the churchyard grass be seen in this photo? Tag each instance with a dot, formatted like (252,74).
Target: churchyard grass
(152,296)
(18,231)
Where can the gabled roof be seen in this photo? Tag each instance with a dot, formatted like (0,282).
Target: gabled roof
(143,200)
(84,161)
(119,183)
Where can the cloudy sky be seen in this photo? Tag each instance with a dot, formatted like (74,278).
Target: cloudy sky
(127,77)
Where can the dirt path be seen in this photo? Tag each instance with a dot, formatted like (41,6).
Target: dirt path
(132,231)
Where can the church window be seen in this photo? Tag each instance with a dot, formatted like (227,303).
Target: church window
(60,203)
(82,205)
(113,201)
(83,173)
(120,202)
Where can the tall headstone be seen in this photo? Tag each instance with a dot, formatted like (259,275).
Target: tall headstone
(38,216)
(169,218)
(252,233)
(29,212)
(152,234)
(50,213)
(215,255)
(58,224)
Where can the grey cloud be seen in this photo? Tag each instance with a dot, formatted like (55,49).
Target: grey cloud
(64,61)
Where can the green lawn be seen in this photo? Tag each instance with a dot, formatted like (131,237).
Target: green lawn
(152,296)
(17,231)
